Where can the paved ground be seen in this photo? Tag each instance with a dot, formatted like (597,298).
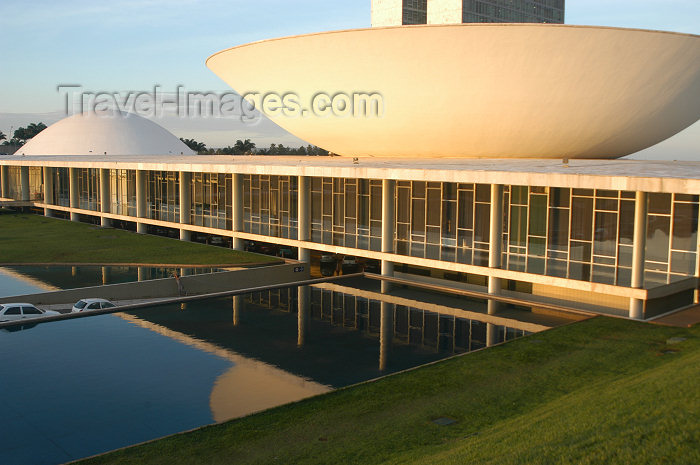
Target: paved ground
(685,318)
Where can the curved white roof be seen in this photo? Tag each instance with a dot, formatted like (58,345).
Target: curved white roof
(475,90)
(99,134)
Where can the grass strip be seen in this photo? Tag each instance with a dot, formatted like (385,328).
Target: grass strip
(602,390)
(27,238)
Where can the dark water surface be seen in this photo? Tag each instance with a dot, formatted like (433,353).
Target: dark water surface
(81,387)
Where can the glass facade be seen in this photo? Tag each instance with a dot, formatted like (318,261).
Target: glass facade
(122,192)
(415,12)
(443,221)
(89,188)
(14,182)
(163,195)
(61,187)
(270,205)
(347,212)
(36,183)
(211,195)
(513,11)
(578,234)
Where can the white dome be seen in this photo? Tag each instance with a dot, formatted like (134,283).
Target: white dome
(111,133)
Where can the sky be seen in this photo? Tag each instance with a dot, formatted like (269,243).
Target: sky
(134,45)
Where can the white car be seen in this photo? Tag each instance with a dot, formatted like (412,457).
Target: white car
(86,305)
(22,311)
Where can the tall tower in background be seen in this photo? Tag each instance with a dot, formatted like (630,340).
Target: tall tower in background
(402,12)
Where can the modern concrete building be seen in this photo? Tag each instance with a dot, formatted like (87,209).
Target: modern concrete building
(478,187)
(407,12)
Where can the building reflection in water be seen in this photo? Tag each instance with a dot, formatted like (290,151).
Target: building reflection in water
(389,322)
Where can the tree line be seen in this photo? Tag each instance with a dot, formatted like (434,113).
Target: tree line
(22,135)
(246,147)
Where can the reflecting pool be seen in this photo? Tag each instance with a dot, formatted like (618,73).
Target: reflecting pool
(27,279)
(81,387)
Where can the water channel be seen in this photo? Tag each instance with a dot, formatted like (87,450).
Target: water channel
(80,387)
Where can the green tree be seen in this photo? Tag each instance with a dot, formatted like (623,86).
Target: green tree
(24,134)
(199,147)
(2,136)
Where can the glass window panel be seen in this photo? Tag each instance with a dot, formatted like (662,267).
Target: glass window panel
(518,226)
(418,216)
(559,197)
(537,246)
(605,234)
(686,198)
(538,215)
(558,229)
(683,263)
(418,189)
(483,192)
(606,204)
(482,226)
(626,222)
(449,191)
(624,277)
(685,226)
(556,268)
(603,274)
(583,192)
(659,203)
(518,195)
(581,218)
(657,238)
(466,209)
(433,210)
(606,193)
(535,265)
(403,200)
(624,257)
(580,251)
(580,271)
(449,226)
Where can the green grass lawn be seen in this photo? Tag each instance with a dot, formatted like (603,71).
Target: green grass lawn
(603,391)
(26,238)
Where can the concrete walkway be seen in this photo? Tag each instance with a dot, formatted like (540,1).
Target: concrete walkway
(683,319)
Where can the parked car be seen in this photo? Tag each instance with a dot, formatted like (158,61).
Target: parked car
(22,311)
(85,305)
(328,265)
(349,265)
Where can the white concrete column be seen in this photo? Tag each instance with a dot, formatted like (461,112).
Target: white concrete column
(304,219)
(24,181)
(237,209)
(388,221)
(105,198)
(638,253)
(386,333)
(74,194)
(495,243)
(4,181)
(238,305)
(141,207)
(303,312)
(48,190)
(185,204)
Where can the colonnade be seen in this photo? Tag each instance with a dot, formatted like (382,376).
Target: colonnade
(636,306)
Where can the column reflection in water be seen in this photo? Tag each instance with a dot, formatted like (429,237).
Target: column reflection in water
(386,333)
(238,307)
(303,312)
(105,274)
(142,273)
(491,334)
(74,271)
